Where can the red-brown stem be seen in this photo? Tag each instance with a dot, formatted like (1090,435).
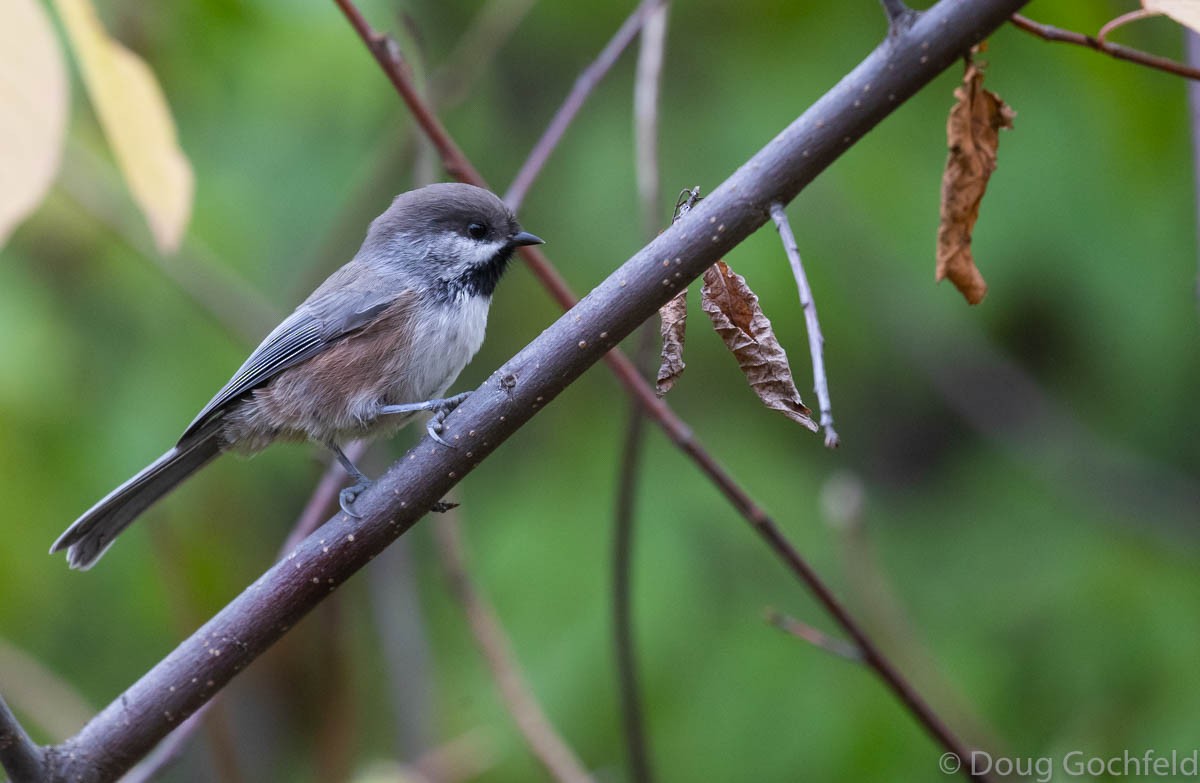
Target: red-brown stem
(1050,33)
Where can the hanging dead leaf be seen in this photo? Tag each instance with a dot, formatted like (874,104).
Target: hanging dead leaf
(33,103)
(1185,12)
(972,131)
(736,316)
(136,122)
(673,323)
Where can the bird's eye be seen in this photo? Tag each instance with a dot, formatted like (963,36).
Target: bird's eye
(477,231)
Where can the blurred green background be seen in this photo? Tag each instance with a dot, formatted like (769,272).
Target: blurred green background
(1012,512)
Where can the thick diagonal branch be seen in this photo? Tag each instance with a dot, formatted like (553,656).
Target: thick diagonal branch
(257,618)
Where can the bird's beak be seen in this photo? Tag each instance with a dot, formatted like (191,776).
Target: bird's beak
(525,238)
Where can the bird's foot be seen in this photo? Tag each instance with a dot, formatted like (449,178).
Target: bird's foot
(441,408)
(442,506)
(350,494)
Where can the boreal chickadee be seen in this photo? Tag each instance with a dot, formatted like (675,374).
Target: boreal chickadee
(380,340)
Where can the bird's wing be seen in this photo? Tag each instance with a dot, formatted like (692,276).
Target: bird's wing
(304,334)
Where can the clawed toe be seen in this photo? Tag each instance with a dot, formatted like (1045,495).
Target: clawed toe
(348,495)
(442,506)
(434,429)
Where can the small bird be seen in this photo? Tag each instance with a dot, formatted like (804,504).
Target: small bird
(379,341)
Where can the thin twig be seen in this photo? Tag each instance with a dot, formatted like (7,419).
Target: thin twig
(816,341)
(22,759)
(584,84)
(1121,21)
(645,119)
(900,17)
(387,54)
(1050,33)
(818,639)
(554,754)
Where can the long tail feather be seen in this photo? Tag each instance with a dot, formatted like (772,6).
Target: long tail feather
(94,532)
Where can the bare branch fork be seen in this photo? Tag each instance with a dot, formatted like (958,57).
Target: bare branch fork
(1054,34)
(816,341)
(239,633)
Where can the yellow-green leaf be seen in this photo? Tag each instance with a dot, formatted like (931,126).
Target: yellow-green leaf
(33,109)
(136,121)
(1185,12)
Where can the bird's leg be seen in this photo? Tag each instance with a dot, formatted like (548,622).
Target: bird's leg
(348,495)
(441,409)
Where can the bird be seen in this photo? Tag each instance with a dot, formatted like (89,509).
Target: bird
(379,341)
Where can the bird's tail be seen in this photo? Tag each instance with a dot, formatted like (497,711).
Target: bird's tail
(93,533)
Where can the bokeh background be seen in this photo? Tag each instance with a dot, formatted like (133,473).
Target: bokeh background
(1012,512)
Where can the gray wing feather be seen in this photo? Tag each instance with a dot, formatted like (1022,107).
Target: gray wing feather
(301,336)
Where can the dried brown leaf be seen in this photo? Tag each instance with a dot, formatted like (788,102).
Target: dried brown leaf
(673,323)
(735,314)
(972,131)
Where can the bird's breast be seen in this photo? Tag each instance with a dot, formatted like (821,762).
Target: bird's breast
(445,337)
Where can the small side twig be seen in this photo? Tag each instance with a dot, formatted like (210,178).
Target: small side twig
(1050,33)
(554,753)
(21,758)
(834,646)
(584,84)
(900,16)
(816,342)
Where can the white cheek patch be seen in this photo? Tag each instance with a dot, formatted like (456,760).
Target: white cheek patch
(470,253)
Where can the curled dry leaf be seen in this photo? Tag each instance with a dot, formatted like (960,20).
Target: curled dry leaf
(972,131)
(33,105)
(136,122)
(736,316)
(673,323)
